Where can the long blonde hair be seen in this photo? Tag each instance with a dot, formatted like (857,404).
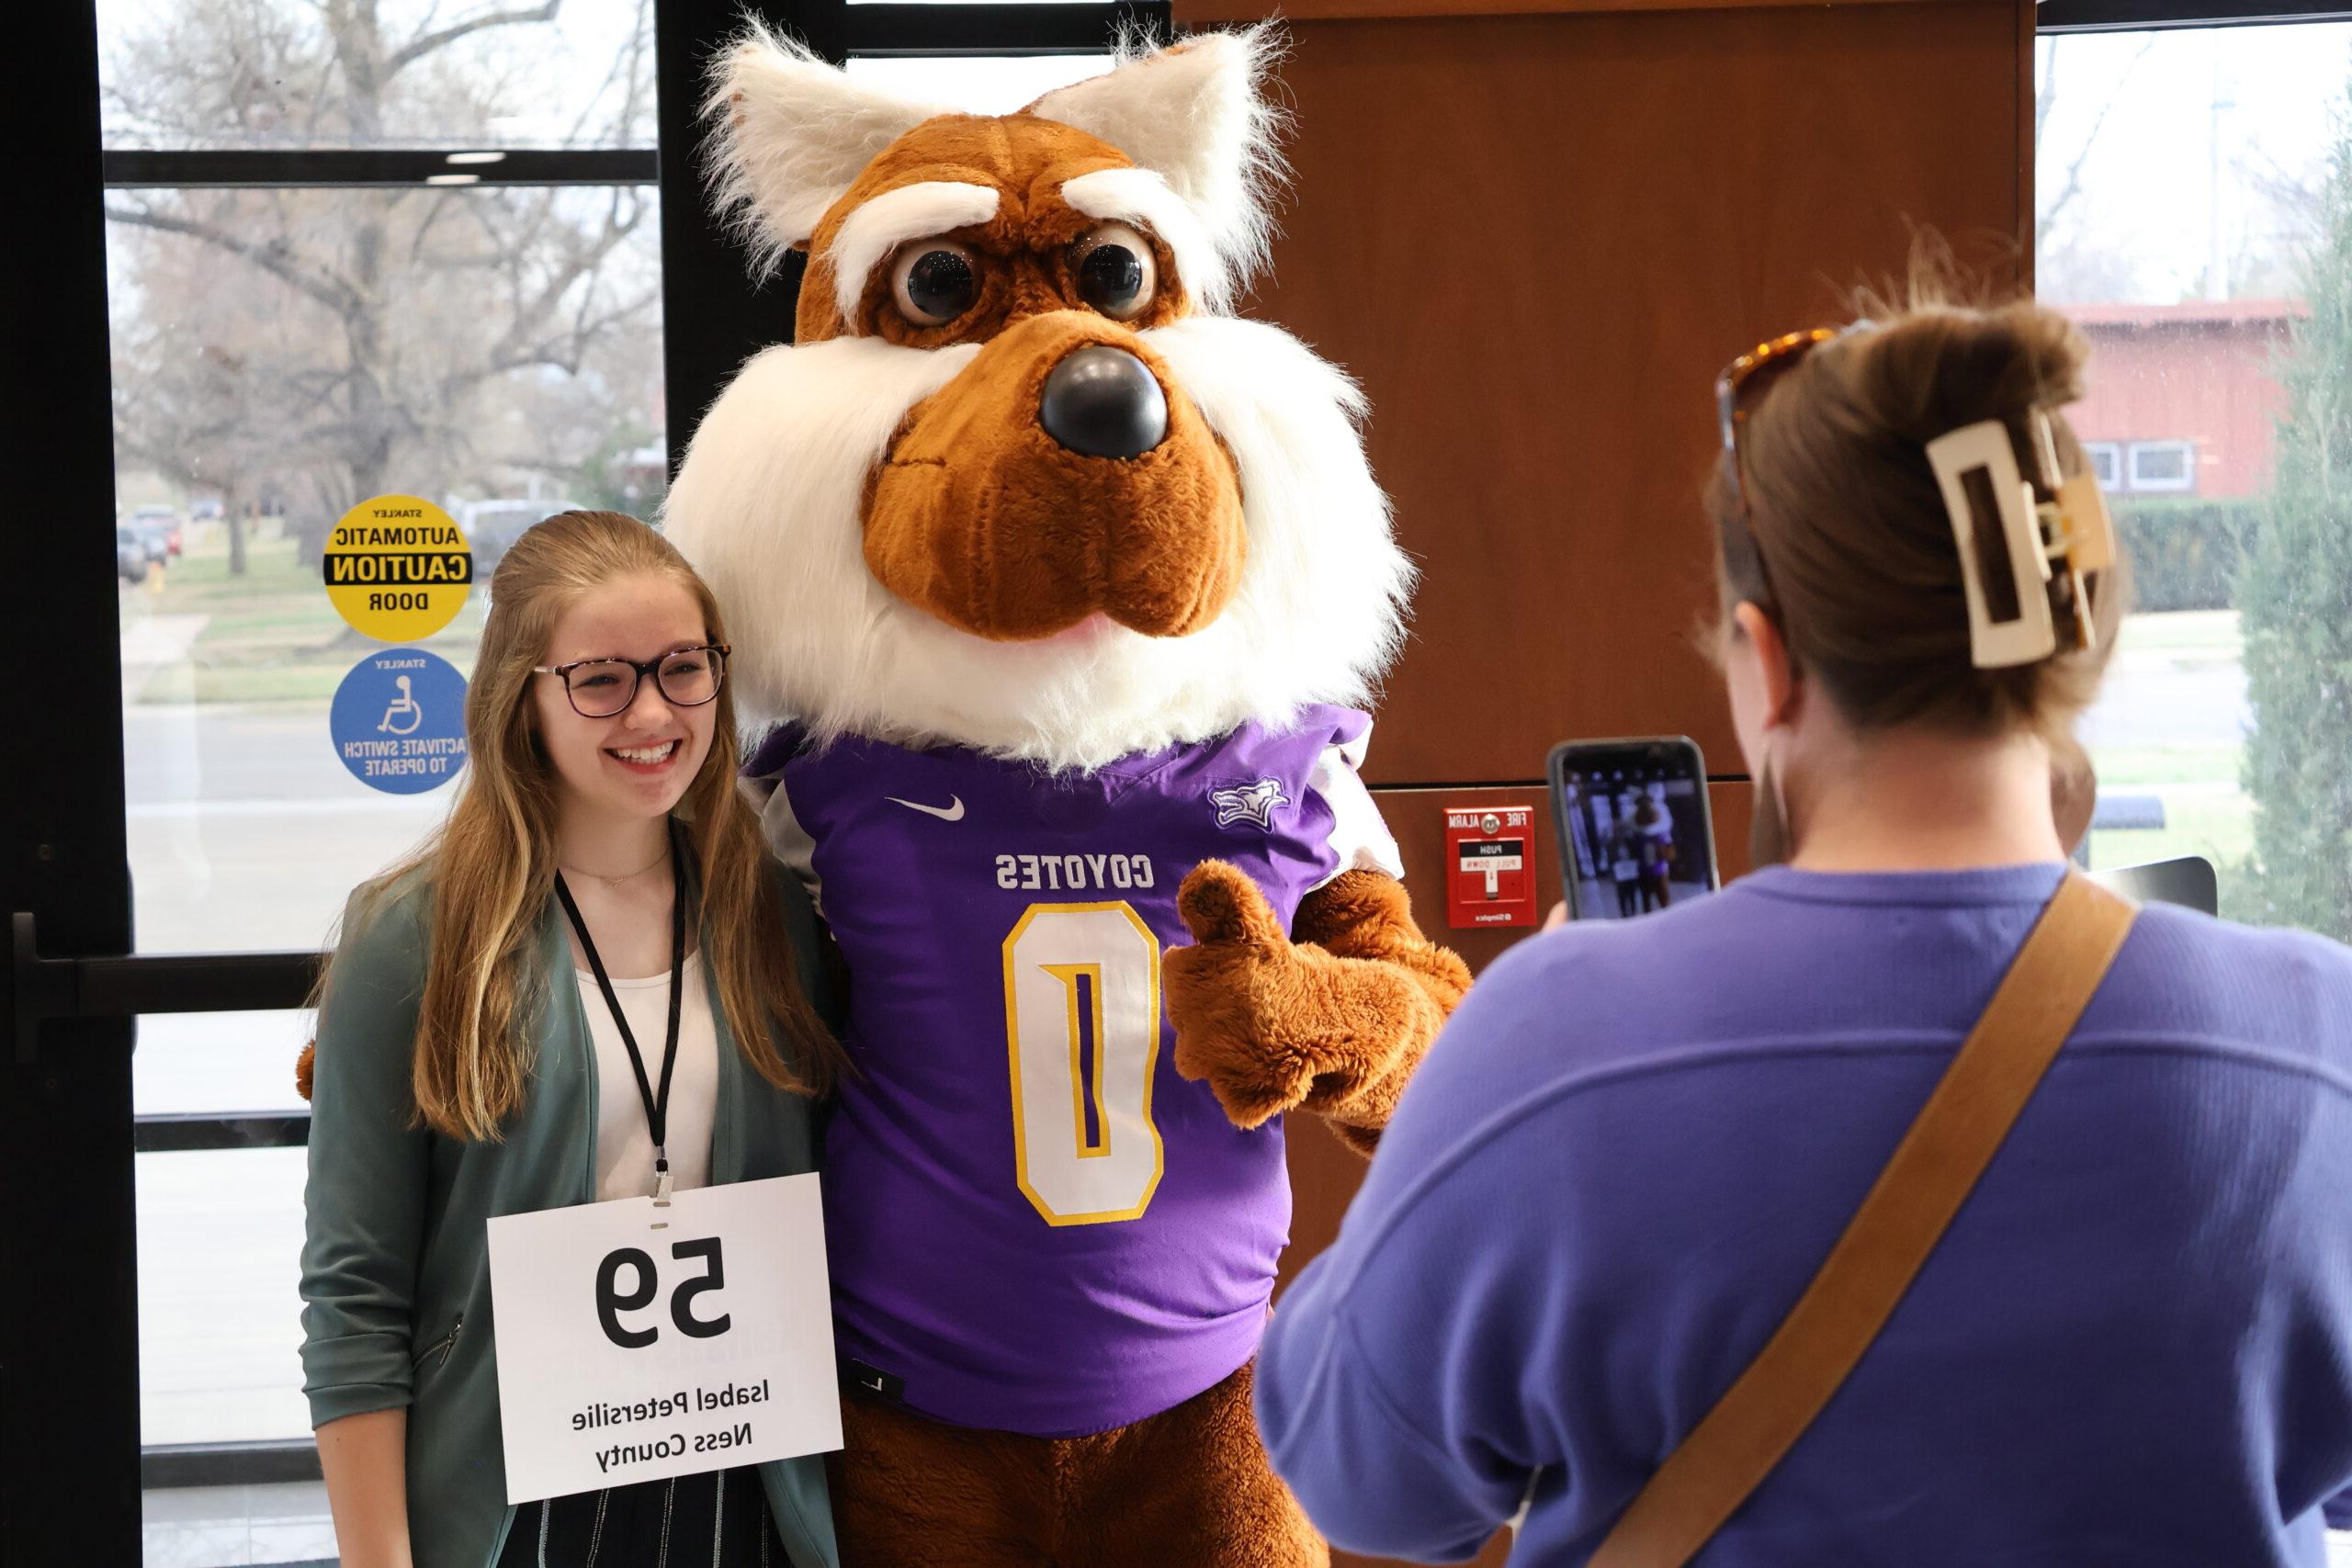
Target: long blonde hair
(491,864)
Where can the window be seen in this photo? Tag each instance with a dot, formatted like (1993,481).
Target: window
(2195,220)
(351,251)
(462,76)
(2162,466)
(282,354)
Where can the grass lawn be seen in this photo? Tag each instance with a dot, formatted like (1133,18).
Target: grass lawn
(2218,827)
(2207,810)
(2123,767)
(269,636)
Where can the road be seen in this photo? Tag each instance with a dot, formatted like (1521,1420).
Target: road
(175,754)
(246,830)
(2148,702)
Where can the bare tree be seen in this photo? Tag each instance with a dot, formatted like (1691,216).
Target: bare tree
(194,405)
(2070,263)
(390,322)
(2284,209)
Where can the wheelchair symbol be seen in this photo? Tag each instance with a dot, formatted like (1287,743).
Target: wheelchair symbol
(403,707)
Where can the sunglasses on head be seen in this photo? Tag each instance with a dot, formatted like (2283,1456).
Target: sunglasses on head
(1745,381)
(1738,391)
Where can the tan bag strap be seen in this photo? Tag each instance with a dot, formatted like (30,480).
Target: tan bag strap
(1890,1236)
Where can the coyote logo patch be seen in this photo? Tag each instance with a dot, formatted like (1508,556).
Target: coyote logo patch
(1253,802)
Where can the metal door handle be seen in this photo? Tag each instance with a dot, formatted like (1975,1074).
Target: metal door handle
(122,985)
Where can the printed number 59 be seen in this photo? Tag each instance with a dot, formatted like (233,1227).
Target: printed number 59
(612,1301)
(1081,1020)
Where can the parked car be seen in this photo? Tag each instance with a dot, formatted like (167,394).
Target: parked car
(163,524)
(130,556)
(152,537)
(493,526)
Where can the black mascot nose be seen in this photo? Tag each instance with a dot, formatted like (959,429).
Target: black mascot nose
(1102,402)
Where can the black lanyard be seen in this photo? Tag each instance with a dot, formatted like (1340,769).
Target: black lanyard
(657,1106)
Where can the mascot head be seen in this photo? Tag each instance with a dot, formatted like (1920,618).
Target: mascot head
(1021,484)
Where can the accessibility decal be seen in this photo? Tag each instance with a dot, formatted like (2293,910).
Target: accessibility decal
(399,721)
(396,568)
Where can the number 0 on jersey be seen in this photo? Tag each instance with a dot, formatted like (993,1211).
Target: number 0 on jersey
(1081,1017)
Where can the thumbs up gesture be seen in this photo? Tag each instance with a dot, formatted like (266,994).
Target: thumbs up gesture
(1269,1024)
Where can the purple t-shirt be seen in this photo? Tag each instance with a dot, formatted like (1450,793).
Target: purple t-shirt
(1637,1141)
(1033,1222)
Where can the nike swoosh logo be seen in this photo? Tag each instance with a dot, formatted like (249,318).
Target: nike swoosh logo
(951,812)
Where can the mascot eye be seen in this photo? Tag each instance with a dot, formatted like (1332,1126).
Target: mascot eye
(934,281)
(1116,273)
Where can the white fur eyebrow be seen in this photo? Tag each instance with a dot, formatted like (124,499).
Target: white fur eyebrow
(1141,196)
(880,226)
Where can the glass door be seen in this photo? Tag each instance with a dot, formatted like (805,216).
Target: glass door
(348,252)
(353,252)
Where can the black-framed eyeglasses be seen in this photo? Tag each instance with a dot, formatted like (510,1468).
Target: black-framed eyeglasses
(601,688)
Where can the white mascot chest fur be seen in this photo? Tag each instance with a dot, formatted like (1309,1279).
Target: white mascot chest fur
(1027,679)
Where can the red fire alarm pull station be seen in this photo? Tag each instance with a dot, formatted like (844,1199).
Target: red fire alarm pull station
(1490,866)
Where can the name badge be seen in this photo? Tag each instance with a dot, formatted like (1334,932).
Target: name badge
(639,1341)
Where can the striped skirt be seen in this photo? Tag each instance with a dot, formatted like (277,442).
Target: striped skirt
(719,1519)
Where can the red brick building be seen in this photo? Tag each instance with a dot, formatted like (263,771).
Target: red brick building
(2183,396)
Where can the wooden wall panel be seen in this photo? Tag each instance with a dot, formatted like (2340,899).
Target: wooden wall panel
(1536,239)
(1417,818)
(1204,13)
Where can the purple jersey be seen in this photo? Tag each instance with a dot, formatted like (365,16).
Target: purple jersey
(1032,1221)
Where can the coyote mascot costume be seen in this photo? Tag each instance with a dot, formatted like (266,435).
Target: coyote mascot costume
(1062,578)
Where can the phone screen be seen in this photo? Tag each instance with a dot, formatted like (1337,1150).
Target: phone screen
(1635,831)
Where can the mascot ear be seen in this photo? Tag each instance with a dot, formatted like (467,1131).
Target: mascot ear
(1195,114)
(793,133)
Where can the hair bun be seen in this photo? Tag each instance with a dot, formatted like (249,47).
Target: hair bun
(1838,499)
(1937,366)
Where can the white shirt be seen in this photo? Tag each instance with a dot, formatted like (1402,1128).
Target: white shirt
(623,1142)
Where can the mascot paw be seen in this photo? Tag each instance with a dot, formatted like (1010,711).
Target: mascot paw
(1265,1021)
(1226,993)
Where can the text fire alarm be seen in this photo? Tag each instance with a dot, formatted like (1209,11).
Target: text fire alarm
(1489,866)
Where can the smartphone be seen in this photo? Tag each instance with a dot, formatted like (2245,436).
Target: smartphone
(1634,832)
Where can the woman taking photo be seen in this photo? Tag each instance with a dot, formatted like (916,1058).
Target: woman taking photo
(1637,1146)
(596,917)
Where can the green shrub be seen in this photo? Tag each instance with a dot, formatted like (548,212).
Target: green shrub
(2297,601)
(2186,552)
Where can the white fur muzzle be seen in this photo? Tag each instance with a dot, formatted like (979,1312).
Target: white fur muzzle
(767,505)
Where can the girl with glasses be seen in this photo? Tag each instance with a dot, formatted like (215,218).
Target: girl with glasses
(596,914)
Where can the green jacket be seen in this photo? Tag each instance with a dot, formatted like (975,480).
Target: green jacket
(396,1261)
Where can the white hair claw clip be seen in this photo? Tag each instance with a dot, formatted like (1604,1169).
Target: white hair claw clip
(2008,538)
